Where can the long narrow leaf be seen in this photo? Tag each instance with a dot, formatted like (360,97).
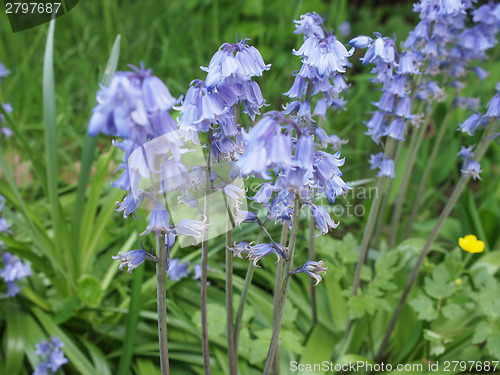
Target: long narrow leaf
(49,114)
(90,146)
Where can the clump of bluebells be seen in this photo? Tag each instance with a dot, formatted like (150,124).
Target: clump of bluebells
(287,149)
(6,131)
(52,356)
(13,269)
(284,148)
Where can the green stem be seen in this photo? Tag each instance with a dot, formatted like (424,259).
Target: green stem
(277,287)
(161,280)
(204,261)
(415,142)
(284,288)
(241,305)
(425,177)
(462,182)
(367,234)
(244,294)
(231,353)
(311,256)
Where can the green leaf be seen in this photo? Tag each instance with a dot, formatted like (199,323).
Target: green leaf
(424,307)
(89,291)
(15,345)
(291,341)
(493,344)
(359,305)
(452,311)
(438,286)
(260,346)
(49,114)
(216,319)
(481,333)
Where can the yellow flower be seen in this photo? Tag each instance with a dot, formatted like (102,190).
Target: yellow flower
(471,244)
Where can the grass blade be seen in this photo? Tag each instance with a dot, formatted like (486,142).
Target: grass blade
(49,115)
(90,146)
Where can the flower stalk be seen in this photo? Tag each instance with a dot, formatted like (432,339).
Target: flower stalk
(204,260)
(161,278)
(277,287)
(231,349)
(273,347)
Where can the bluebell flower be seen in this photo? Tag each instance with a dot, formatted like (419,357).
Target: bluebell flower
(257,252)
(132,259)
(466,154)
(4,72)
(240,248)
(361,41)
(313,269)
(470,125)
(473,169)
(480,72)
(382,49)
(130,203)
(14,270)
(53,356)
(397,129)
(192,228)
(235,194)
(159,219)
(328,55)
(376,160)
(177,270)
(323,220)
(345,28)
(264,194)
(310,24)
(4,225)
(243,216)
(386,168)
(197,272)
(494,106)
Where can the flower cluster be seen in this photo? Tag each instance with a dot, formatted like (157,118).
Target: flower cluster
(14,270)
(7,132)
(471,167)
(53,356)
(283,148)
(215,103)
(135,107)
(392,70)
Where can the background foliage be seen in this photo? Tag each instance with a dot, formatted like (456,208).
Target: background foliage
(108,319)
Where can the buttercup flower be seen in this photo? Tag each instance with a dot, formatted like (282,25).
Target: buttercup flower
(471,244)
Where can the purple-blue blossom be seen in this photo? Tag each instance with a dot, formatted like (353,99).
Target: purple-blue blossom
(312,269)
(310,24)
(177,270)
(132,259)
(473,169)
(13,271)
(257,252)
(52,355)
